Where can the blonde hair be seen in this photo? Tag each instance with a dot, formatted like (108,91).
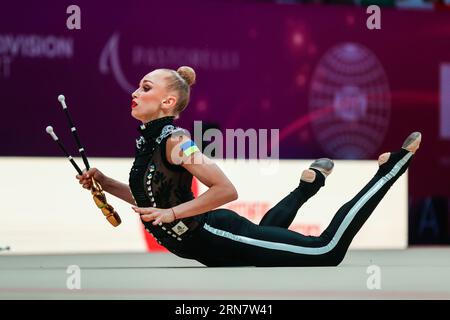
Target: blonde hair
(181,81)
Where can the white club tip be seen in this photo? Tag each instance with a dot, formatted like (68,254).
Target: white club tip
(50,131)
(61,98)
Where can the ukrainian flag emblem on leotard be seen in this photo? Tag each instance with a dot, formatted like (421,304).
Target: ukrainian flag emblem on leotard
(189,147)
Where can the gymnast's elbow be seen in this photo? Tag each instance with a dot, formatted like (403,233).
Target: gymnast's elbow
(223,193)
(232,193)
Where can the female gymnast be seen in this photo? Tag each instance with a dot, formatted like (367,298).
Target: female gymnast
(160,180)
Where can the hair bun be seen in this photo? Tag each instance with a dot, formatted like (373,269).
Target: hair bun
(188,74)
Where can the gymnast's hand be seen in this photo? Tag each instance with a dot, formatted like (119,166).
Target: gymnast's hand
(85,179)
(156,214)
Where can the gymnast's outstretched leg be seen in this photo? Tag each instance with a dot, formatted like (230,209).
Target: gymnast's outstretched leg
(351,217)
(284,212)
(275,246)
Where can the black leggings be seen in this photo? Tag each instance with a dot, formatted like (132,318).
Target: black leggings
(228,239)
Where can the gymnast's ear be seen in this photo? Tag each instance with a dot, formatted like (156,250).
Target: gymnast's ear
(169,102)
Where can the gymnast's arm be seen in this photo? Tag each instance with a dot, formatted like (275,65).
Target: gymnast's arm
(110,185)
(220,189)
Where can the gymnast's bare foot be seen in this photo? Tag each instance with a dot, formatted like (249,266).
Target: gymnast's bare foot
(324,165)
(411,144)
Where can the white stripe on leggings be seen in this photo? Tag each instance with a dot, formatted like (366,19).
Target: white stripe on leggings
(344,225)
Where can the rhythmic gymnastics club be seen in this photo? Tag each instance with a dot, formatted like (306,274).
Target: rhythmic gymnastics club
(62,100)
(50,131)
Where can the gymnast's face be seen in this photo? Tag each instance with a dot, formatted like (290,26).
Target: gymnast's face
(152,100)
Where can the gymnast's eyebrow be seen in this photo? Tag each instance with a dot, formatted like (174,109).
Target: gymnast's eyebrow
(142,82)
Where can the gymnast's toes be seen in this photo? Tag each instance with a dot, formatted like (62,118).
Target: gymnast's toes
(324,165)
(412,142)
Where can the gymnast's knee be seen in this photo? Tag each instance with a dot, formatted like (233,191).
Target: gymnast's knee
(334,259)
